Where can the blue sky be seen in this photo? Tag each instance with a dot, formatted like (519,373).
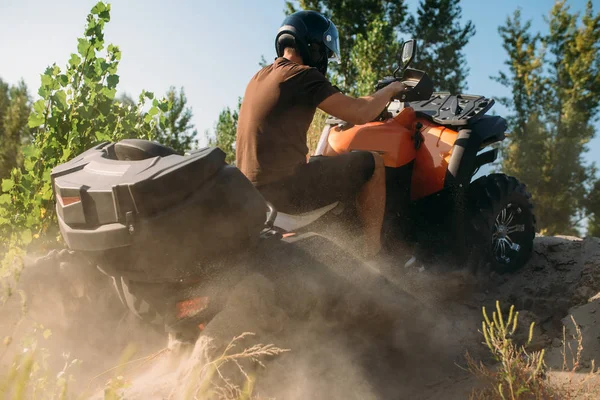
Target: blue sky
(212,48)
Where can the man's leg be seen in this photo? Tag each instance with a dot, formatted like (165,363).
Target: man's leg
(370,204)
(356,176)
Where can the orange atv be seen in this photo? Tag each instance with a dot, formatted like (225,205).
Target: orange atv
(432,145)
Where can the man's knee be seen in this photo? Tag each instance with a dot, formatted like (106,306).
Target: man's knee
(365,162)
(377,177)
(378,160)
(374,165)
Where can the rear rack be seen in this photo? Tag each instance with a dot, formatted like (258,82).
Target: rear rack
(459,110)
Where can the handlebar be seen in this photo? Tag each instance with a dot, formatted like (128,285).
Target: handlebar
(418,85)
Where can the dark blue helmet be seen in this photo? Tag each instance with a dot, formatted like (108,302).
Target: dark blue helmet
(313,35)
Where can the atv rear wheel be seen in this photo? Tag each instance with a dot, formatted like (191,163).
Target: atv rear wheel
(502,223)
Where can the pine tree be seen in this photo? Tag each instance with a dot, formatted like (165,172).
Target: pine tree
(572,104)
(441,40)
(525,152)
(177,131)
(15,106)
(553,111)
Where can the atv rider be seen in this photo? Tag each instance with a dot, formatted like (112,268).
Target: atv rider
(277,109)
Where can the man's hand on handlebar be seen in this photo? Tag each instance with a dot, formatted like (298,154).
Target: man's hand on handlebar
(392,84)
(398,88)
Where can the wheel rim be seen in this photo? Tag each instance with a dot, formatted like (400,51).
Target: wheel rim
(506,236)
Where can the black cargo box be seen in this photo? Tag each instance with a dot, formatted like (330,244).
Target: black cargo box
(160,205)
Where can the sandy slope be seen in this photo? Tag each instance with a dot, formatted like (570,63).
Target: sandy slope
(329,360)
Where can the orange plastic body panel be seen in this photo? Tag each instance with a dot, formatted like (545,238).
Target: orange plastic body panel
(391,138)
(394,140)
(431,163)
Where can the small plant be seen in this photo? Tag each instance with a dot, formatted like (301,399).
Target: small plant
(520,374)
(202,385)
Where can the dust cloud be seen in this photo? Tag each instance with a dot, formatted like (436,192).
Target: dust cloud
(353,331)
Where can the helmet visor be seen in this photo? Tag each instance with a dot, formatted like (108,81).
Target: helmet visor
(331,39)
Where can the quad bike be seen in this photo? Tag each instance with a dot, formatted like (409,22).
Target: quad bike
(175,234)
(432,146)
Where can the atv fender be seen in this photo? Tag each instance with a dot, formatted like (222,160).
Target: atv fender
(488,129)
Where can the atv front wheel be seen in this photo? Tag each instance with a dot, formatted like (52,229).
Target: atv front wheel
(502,222)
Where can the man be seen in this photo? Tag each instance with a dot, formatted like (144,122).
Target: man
(278,107)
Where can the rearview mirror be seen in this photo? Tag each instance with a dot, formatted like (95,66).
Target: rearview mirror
(409,50)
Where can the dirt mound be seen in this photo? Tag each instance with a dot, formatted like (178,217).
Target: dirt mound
(564,272)
(327,358)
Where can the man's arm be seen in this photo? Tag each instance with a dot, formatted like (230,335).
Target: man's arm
(360,110)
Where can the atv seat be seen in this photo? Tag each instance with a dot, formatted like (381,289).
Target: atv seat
(139,149)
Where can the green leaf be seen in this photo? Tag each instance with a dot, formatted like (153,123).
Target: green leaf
(109,93)
(75,60)
(104,66)
(164,106)
(29,163)
(148,117)
(105,106)
(7,184)
(114,51)
(66,154)
(43,92)
(98,8)
(100,136)
(85,111)
(83,46)
(112,81)
(47,80)
(5,198)
(149,95)
(153,111)
(39,106)
(47,194)
(61,98)
(105,15)
(63,80)
(30,151)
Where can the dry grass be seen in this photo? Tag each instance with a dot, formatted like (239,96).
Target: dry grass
(578,385)
(209,382)
(30,378)
(520,374)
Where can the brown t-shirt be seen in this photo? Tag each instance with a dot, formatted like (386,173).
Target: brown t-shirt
(277,109)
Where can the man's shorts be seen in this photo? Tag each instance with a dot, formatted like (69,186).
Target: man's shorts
(320,182)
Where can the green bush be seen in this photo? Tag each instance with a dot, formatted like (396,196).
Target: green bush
(76,111)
